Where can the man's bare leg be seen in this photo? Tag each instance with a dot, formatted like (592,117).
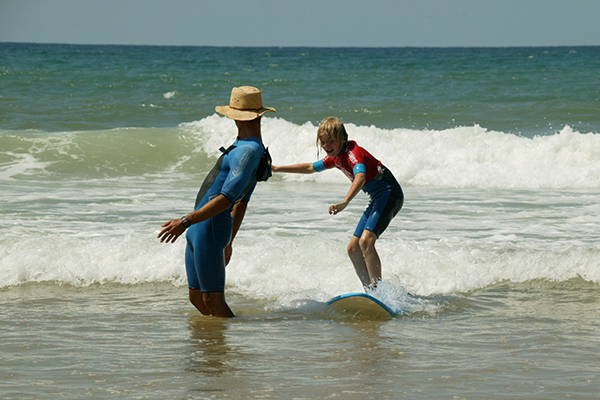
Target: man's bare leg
(215,302)
(210,303)
(198,302)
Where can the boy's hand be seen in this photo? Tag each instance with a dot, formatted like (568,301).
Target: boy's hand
(337,208)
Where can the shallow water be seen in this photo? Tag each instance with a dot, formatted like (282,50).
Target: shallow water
(497,151)
(506,304)
(533,340)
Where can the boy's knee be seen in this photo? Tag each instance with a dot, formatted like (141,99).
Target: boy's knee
(366,243)
(354,248)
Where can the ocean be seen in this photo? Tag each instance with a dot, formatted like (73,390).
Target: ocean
(493,263)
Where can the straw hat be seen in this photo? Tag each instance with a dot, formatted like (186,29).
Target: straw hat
(245,104)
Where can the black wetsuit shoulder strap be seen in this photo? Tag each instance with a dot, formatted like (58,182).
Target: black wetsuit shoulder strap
(262,174)
(227,150)
(212,175)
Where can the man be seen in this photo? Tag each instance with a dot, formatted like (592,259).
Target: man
(221,204)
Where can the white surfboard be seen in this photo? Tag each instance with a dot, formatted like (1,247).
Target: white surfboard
(363,304)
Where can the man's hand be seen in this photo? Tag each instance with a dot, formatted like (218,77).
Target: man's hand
(173,229)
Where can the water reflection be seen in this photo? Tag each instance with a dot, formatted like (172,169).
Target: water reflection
(210,354)
(346,357)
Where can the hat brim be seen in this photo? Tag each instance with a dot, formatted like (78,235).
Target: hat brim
(243,115)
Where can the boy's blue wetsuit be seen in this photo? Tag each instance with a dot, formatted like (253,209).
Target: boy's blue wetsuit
(386,194)
(387,199)
(234,176)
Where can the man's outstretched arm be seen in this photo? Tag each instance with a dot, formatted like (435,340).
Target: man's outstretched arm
(174,228)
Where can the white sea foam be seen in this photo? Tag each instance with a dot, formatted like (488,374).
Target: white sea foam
(467,223)
(288,268)
(290,250)
(20,164)
(462,157)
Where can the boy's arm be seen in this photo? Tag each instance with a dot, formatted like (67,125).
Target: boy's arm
(357,185)
(305,168)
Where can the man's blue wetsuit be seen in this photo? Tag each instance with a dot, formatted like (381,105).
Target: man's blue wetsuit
(234,176)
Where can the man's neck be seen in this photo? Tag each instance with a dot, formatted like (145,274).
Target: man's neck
(248,129)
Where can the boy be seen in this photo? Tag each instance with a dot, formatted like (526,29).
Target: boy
(366,173)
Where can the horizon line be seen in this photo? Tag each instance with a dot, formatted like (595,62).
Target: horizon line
(303,46)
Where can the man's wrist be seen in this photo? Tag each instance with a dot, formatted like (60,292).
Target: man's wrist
(186,222)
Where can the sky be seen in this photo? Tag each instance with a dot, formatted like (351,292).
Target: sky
(312,23)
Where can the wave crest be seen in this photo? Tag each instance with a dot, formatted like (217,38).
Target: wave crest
(462,157)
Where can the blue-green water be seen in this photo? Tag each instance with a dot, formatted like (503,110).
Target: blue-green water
(498,152)
(531,91)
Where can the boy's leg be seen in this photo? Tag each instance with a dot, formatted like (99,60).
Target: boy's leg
(356,256)
(372,261)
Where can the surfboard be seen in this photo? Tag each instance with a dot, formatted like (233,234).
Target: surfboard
(361,304)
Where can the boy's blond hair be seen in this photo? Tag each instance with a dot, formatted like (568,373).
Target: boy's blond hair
(332,126)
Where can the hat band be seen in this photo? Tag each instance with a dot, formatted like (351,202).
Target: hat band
(246,109)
